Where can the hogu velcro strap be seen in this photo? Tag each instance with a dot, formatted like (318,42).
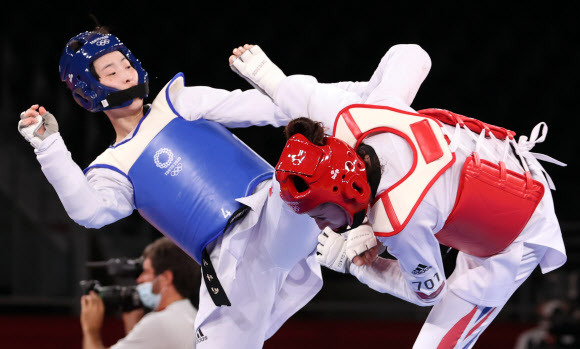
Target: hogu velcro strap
(115,99)
(214,287)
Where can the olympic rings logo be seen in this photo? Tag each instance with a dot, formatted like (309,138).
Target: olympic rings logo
(165,163)
(102,42)
(164,159)
(176,169)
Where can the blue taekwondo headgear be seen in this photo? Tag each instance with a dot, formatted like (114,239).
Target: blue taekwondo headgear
(87,91)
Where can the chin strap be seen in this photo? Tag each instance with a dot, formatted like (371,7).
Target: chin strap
(116,99)
(358,218)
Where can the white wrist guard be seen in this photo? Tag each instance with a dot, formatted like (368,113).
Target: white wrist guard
(254,66)
(30,132)
(331,251)
(360,240)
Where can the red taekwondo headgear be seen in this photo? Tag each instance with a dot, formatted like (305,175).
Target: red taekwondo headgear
(310,175)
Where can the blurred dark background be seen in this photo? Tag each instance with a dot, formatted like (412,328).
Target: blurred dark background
(509,64)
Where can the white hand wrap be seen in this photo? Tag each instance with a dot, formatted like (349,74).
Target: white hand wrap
(331,251)
(30,132)
(360,240)
(256,68)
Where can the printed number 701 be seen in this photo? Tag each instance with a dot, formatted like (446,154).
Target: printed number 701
(429,284)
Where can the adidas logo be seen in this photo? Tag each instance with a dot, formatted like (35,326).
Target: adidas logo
(420,269)
(199,336)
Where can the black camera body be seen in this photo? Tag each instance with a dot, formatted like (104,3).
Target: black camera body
(116,297)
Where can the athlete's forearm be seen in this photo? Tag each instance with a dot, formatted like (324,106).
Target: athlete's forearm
(230,108)
(302,96)
(86,205)
(385,276)
(358,87)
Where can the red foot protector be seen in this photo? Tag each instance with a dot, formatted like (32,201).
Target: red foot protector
(493,206)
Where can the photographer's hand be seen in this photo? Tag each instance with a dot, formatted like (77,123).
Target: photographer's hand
(92,315)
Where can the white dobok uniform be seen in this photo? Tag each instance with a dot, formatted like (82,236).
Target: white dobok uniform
(478,284)
(267,272)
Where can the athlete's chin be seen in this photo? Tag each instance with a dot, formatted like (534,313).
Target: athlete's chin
(135,106)
(335,228)
(340,229)
(137,103)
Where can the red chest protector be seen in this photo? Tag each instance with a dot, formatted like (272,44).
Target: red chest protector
(493,204)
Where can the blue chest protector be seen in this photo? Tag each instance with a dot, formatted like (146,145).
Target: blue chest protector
(188,177)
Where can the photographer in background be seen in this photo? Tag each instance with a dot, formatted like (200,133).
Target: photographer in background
(169,278)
